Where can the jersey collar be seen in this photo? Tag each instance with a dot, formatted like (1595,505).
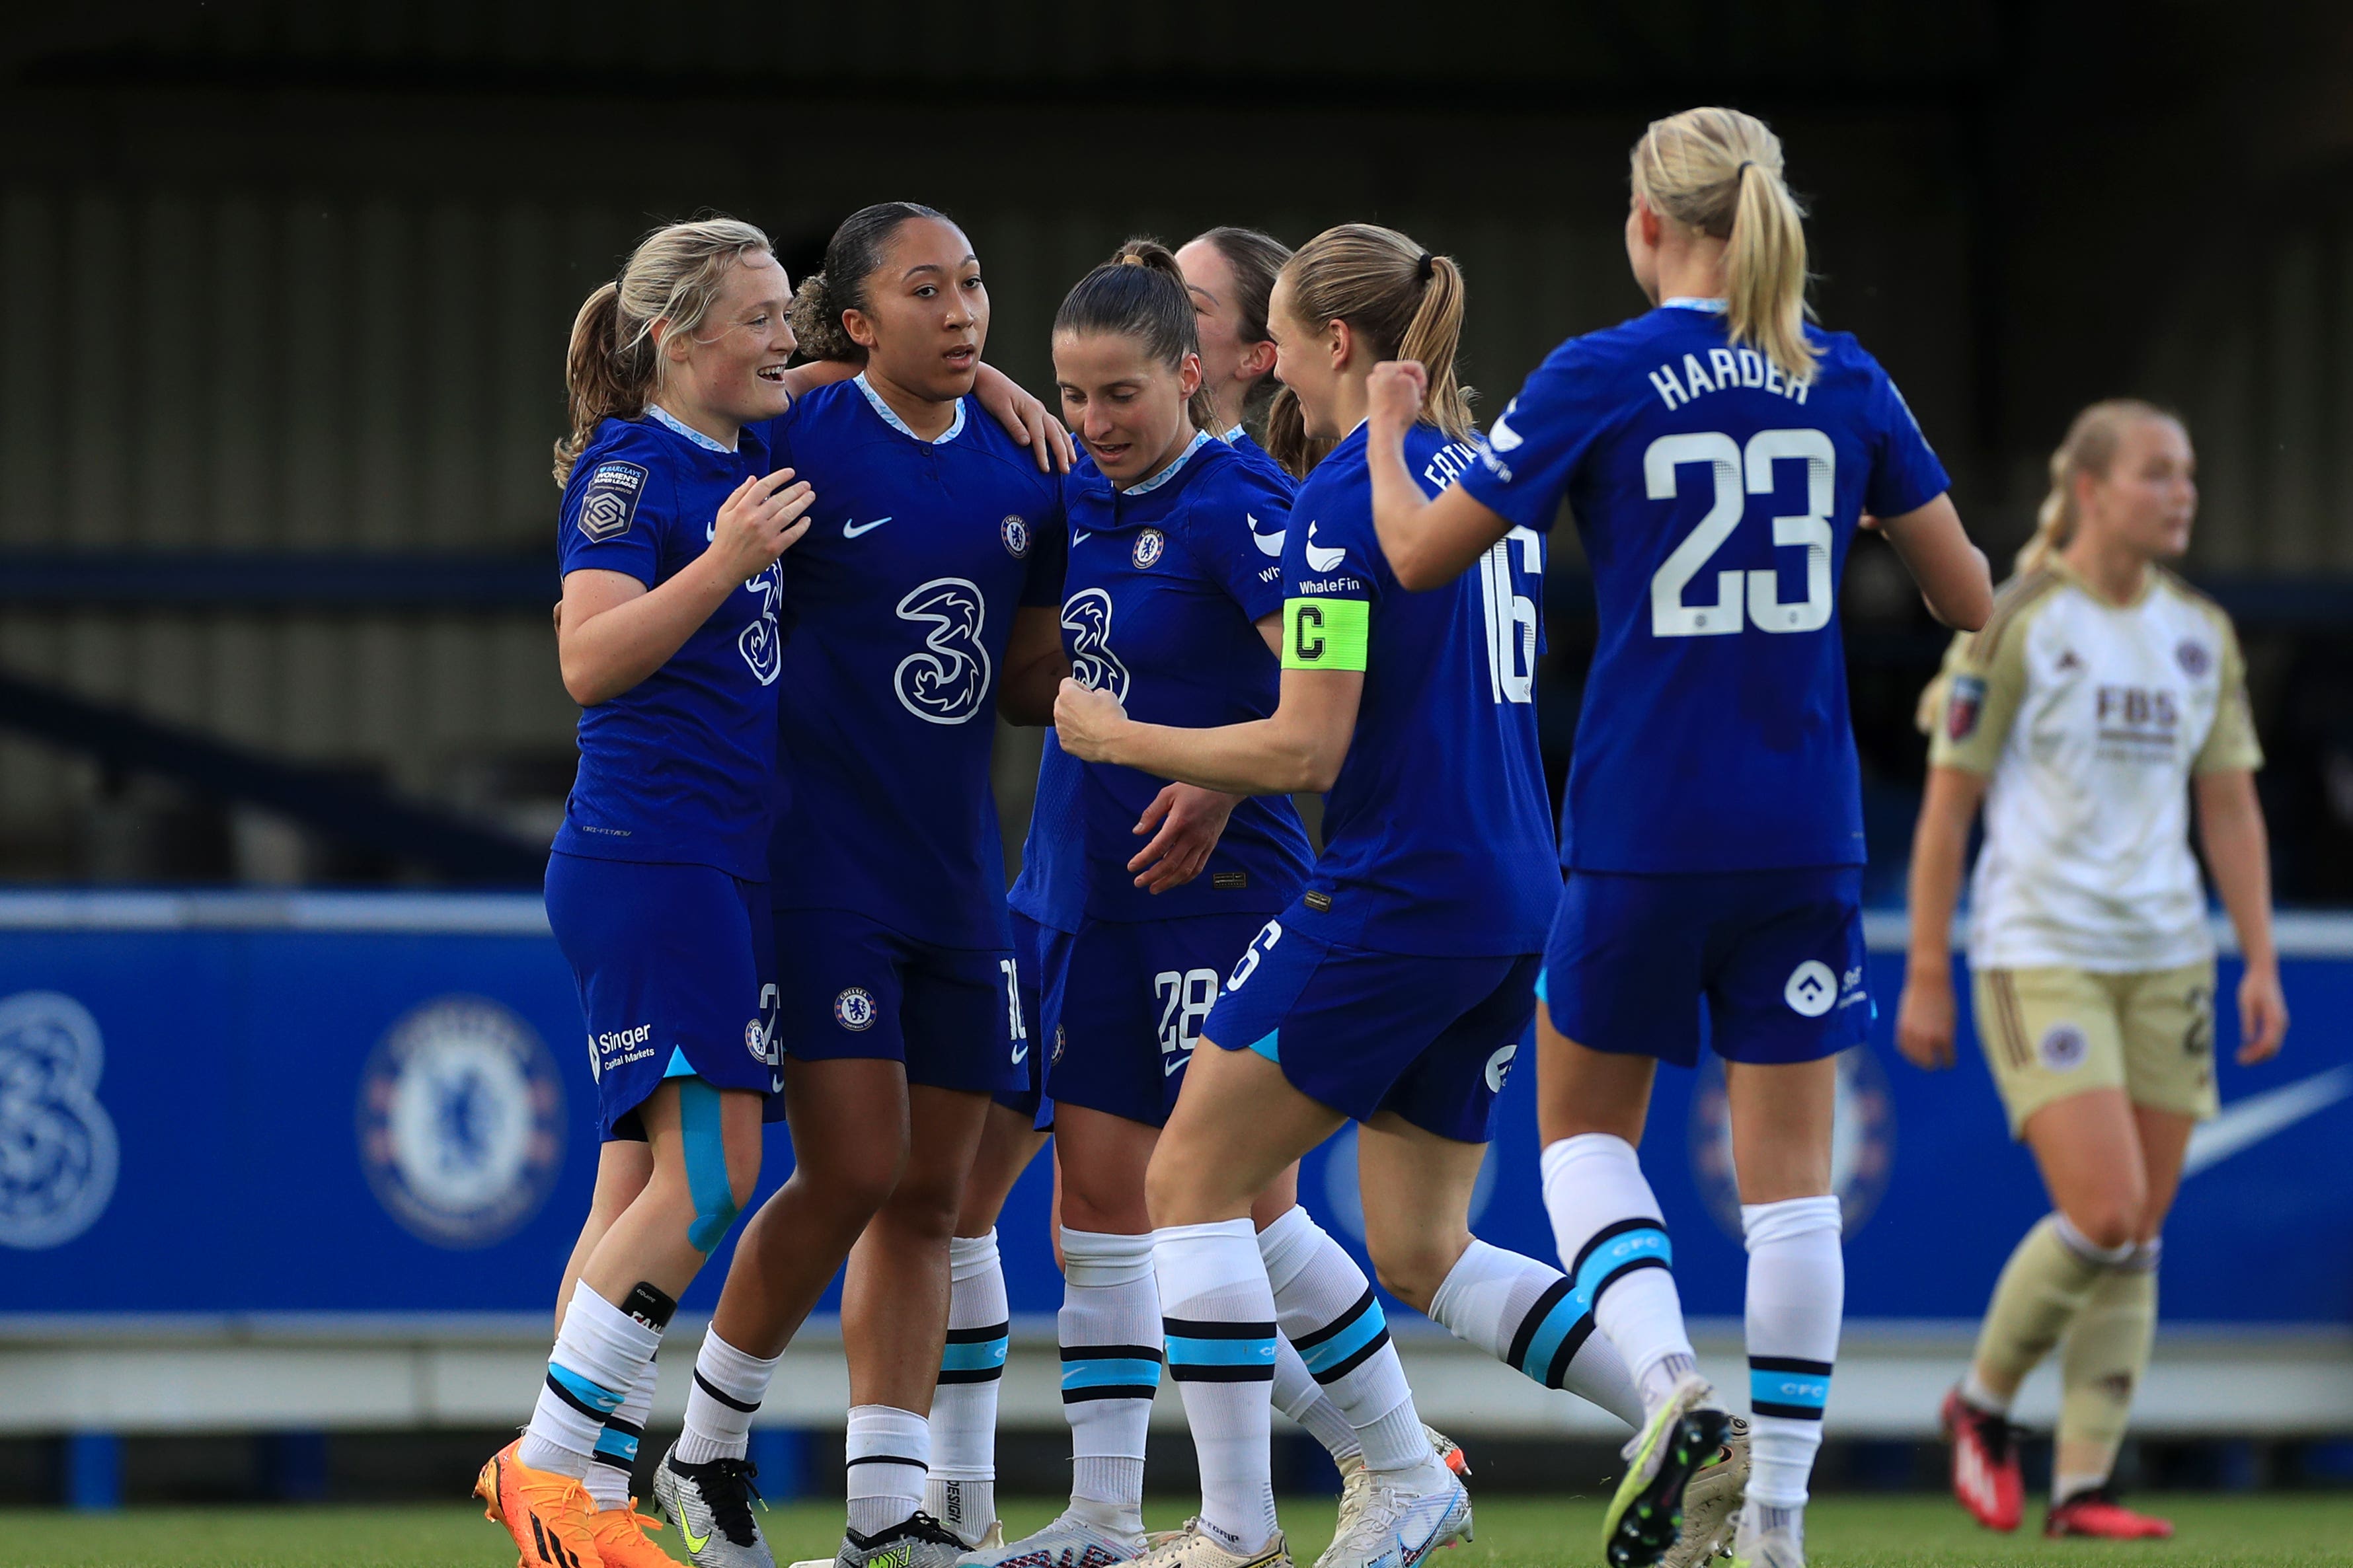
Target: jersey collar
(1232,436)
(1692,303)
(1146,487)
(668,420)
(890,418)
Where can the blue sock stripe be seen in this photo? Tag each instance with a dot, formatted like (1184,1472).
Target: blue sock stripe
(1111,1372)
(1203,1350)
(1620,1250)
(973,1362)
(614,1444)
(583,1394)
(1334,1350)
(1551,1327)
(1184,1352)
(1789,1386)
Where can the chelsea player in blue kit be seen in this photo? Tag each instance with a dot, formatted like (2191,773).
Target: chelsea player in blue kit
(1393,990)
(669,533)
(1717,455)
(935,557)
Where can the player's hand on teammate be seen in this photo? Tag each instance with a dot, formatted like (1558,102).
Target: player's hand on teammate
(1924,1023)
(2263,1015)
(1028,422)
(1084,720)
(764,517)
(1185,823)
(1396,391)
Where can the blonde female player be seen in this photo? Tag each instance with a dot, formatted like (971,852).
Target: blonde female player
(2102,696)
(1393,989)
(1717,454)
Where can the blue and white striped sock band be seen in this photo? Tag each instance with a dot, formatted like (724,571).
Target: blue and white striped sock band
(617,1444)
(1200,1350)
(975,1355)
(1109,1372)
(1556,1327)
(583,1394)
(1615,1251)
(1789,1386)
(1341,1345)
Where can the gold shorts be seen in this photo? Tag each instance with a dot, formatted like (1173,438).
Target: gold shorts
(2050,1033)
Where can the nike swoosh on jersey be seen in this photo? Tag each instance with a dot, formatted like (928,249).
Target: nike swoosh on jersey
(1021,1053)
(851,530)
(1268,544)
(1170,1069)
(2243,1124)
(1078,536)
(1320,559)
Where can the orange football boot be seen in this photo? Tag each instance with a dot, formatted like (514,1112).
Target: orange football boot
(622,1541)
(547,1514)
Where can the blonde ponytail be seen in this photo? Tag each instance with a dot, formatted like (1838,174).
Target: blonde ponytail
(671,280)
(2090,448)
(1719,171)
(1398,299)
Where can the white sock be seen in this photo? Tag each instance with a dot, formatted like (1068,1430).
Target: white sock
(615,1462)
(1973,1392)
(1110,1331)
(1796,1290)
(886,1450)
(1614,1245)
(961,1492)
(1298,1396)
(1218,1320)
(1528,1316)
(1327,1310)
(600,1353)
(728,1388)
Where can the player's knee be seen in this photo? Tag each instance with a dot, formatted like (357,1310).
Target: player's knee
(1411,1270)
(2108,1220)
(925,1205)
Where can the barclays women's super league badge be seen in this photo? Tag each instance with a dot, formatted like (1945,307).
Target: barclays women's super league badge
(461,1121)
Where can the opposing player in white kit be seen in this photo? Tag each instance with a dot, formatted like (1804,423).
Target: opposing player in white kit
(2102,695)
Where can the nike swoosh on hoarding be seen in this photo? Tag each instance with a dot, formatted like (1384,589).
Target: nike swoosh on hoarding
(2244,1123)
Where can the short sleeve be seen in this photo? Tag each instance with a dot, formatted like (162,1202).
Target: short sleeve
(612,517)
(1976,699)
(1050,553)
(1904,473)
(1237,535)
(1329,581)
(1533,446)
(2230,745)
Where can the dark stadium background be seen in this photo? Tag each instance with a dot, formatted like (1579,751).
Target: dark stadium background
(284,290)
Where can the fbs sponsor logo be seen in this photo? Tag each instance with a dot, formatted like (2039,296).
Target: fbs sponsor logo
(461,1121)
(59,1153)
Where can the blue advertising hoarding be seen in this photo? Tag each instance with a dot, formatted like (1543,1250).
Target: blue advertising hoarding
(228,1106)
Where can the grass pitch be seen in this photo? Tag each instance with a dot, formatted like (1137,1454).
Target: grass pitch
(2274,1530)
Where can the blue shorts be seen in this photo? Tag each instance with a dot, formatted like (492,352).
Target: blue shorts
(1125,1000)
(674,966)
(1365,1032)
(1028,976)
(853,987)
(1766,966)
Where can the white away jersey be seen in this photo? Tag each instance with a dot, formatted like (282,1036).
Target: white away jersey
(2087,720)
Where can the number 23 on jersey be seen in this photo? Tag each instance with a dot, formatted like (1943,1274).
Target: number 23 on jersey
(1743,598)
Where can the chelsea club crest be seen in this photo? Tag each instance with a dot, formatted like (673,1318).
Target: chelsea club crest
(1149,544)
(460,1122)
(1014,532)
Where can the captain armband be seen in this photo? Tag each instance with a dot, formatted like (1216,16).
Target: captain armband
(1326,634)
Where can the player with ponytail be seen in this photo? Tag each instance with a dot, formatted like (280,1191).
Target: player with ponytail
(1392,989)
(2102,697)
(1717,454)
(668,536)
(1230,272)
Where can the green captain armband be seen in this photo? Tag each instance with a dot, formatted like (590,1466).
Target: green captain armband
(1324,634)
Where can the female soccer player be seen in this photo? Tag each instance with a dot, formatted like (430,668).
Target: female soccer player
(1229,272)
(2102,695)
(670,534)
(933,563)
(1718,453)
(1393,989)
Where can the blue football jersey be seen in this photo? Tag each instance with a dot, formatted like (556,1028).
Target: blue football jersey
(897,604)
(1717,503)
(1161,591)
(681,767)
(1259,457)
(1438,832)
